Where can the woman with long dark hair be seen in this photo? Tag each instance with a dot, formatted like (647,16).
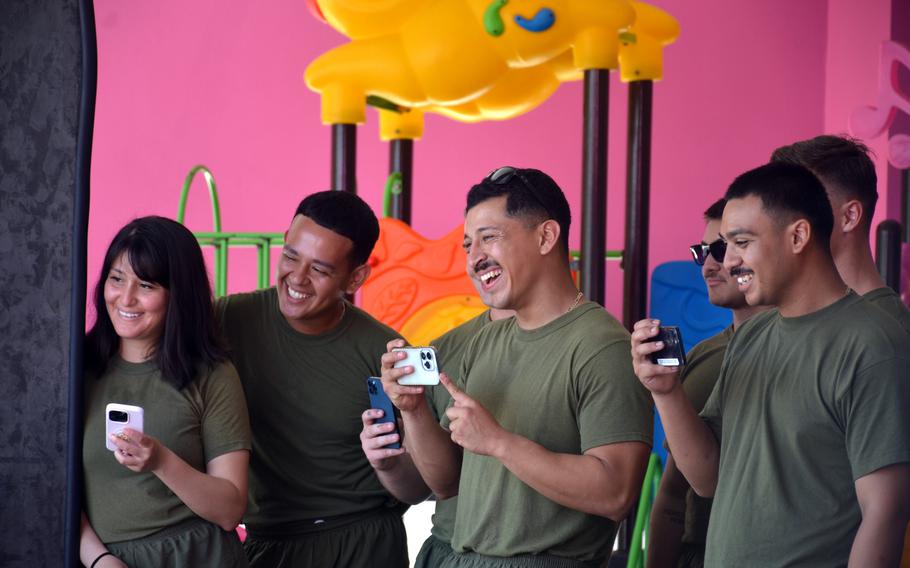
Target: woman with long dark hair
(172,494)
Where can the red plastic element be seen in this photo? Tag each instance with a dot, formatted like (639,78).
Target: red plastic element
(410,272)
(313,5)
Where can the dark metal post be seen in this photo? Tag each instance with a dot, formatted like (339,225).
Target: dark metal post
(638,203)
(344,157)
(888,253)
(76,420)
(594,184)
(401,160)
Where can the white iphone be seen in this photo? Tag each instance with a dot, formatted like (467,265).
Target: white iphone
(425,363)
(120,416)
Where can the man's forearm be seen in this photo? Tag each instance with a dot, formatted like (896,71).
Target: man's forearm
(437,458)
(878,543)
(582,482)
(694,447)
(401,478)
(668,517)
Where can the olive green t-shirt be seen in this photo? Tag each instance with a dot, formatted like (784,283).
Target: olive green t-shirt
(306,394)
(698,379)
(888,300)
(567,385)
(803,408)
(204,420)
(450,348)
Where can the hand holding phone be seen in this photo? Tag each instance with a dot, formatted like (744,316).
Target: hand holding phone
(425,363)
(380,400)
(673,353)
(120,416)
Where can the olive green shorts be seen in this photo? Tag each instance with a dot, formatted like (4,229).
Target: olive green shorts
(377,540)
(474,560)
(191,544)
(433,552)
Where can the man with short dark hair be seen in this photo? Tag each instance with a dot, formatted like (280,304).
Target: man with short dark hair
(843,166)
(303,354)
(679,517)
(549,433)
(804,441)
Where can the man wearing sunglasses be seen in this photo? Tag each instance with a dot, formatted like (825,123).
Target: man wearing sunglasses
(549,433)
(803,443)
(679,517)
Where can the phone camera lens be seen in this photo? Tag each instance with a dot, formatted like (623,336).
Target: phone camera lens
(117,416)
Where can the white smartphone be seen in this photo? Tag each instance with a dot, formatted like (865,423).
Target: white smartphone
(425,363)
(120,416)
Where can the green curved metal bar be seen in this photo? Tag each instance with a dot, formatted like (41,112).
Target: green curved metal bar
(637,552)
(222,241)
(393,186)
(221,256)
(213,195)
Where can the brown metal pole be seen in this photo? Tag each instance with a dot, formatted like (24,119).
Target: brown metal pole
(594,184)
(344,157)
(638,203)
(401,160)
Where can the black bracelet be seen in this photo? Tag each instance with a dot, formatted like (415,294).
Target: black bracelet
(100,556)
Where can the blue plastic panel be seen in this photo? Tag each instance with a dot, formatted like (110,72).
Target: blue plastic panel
(679,297)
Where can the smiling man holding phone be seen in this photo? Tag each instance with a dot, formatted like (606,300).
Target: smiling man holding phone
(679,517)
(548,436)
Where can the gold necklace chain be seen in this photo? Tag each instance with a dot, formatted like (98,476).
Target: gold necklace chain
(575,303)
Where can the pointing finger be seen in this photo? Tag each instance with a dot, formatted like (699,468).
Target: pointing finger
(457,394)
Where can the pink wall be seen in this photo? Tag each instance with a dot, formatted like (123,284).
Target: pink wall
(220,83)
(855,34)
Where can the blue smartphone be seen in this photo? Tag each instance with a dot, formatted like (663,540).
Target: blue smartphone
(380,400)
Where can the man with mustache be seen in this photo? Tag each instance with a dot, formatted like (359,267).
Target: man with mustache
(549,433)
(679,517)
(804,441)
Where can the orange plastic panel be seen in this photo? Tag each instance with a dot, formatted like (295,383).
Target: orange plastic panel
(419,286)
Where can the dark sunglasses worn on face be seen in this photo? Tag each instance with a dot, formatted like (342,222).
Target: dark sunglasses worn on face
(717,249)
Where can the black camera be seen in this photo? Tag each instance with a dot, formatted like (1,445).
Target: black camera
(118,416)
(426,359)
(673,353)
(371,386)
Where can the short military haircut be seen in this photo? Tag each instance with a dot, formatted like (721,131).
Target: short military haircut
(347,215)
(788,192)
(530,194)
(842,163)
(716,211)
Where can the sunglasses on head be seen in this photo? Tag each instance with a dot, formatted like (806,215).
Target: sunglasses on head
(502,176)
(717,249)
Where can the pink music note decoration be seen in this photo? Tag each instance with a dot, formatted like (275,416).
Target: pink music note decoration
(872,121)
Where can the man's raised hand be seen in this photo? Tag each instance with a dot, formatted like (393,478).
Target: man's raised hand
(656,378)
(471,425)
(405,398)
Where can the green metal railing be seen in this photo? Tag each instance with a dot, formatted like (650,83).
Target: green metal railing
(221,241)
(638,550)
